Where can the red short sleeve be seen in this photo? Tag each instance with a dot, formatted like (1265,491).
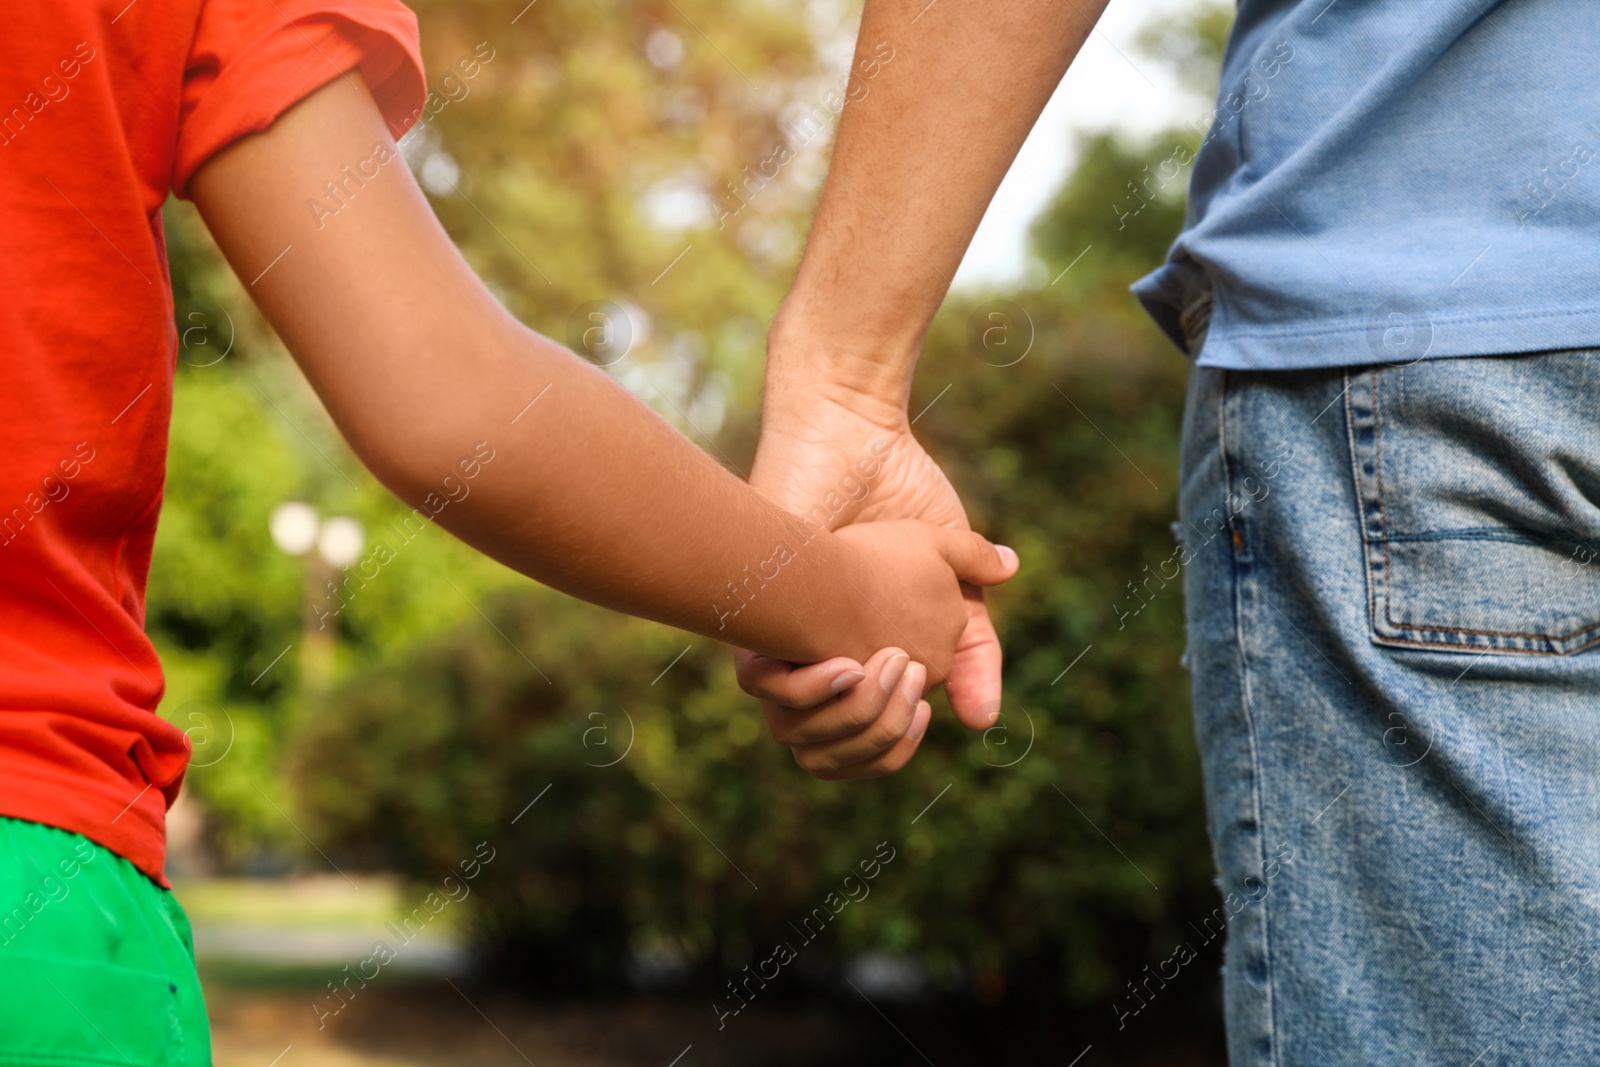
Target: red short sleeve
(252,60)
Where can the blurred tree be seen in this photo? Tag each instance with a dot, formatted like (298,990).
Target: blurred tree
(1119,209)
(1190,44)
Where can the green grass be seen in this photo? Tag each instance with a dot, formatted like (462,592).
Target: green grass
(314,903)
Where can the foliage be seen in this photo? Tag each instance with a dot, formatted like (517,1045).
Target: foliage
(1191,44)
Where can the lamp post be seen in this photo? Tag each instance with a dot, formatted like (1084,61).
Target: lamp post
(297,530)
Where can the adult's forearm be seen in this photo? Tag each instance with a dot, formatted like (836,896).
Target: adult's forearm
(920,151)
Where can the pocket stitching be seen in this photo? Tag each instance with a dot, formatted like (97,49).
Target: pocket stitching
(1387,568)
(1441,646)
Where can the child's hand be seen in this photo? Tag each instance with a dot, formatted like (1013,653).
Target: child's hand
(848,719)
(842,719)
(911,592)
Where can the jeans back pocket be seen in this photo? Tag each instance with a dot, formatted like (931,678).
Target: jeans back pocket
(1479,487)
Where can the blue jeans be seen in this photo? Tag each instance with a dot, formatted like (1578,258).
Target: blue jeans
(1392,598)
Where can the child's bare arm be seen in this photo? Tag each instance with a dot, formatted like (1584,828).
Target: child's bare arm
(589,491)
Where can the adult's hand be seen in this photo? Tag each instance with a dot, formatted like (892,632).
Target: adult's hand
(941,97)
(814,439)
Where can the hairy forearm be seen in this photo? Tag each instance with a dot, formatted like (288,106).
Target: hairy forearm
(918,157)
(427,375)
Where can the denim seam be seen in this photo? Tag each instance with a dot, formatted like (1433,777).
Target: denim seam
(1360,494)
(1274,1055)
(1371,552)
(1383,505)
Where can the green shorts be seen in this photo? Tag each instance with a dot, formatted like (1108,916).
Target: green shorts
(96,960)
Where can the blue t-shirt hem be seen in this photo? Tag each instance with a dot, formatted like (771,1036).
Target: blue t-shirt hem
(1497,332)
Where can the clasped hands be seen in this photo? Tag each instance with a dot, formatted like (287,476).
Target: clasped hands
(830,453)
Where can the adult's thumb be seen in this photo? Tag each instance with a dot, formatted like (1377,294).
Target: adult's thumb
(975,559)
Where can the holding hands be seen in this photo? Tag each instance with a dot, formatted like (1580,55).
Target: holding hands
(888,571)
(849,719)
(917,159)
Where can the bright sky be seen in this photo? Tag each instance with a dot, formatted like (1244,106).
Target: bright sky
(1108,85)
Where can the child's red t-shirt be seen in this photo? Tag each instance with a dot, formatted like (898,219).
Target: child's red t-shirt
(105,107)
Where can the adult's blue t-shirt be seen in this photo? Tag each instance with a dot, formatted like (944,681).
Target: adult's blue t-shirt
(1388,180)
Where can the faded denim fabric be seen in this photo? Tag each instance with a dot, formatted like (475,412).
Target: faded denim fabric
(1397,702)
(1385,181)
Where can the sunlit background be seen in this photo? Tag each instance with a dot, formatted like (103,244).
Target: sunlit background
(441,815)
